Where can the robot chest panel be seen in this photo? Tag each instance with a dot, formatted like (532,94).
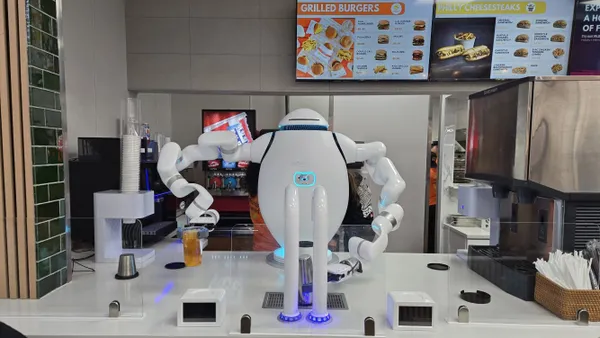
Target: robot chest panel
(306,162)
(303,158)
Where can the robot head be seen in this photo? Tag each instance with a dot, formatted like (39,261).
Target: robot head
(303,119)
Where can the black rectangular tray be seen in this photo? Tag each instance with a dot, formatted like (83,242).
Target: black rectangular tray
(514,275)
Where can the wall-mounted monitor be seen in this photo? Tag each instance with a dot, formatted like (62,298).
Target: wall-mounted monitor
(242,122)
(363,40)
(489,39)
(585,48)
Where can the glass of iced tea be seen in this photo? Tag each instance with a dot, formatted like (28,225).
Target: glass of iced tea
(192,248)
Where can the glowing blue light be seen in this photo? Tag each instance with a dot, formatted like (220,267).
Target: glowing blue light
(302,179)
(280,253)
(289,319)
(164,292)
(318,319)
(162,194)
(147,179)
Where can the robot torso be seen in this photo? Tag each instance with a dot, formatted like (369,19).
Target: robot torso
(305,158)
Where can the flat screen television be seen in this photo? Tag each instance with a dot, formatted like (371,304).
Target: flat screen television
(242,122)
(350,40)
(512,39)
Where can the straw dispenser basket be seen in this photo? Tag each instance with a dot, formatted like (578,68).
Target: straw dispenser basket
(565,303)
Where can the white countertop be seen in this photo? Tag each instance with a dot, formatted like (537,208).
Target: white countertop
(470,232)
(149,303)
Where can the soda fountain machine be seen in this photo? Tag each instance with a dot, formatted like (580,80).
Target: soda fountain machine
(535,141)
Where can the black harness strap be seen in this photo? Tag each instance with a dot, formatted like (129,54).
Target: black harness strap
(268,146)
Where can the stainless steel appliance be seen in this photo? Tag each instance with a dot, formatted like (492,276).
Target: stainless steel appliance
(536,141)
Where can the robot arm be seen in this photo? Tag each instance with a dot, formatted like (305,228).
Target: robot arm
(172,160)
(383,172)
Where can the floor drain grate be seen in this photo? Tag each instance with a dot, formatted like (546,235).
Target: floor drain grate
(335,301)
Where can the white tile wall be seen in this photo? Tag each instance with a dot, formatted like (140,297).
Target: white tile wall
(225,72)
(95,67)
(225,36)
(224,8)
(156,111)
(275,36)
(158,35)
(157,8)
(147,72)
(278,9)
(219,28)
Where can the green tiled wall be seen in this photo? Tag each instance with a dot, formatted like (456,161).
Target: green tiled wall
(46,139)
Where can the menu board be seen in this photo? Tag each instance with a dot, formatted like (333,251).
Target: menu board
(585,50)
(500,39)
(368,40)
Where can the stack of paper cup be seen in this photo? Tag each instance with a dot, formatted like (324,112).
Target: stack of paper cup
(130,164)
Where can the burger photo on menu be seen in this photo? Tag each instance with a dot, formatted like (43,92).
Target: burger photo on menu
(418,40)
(325,48)
(381,55)
(383,25)
(383,39)
(462,48)
(417,55)
(419,25)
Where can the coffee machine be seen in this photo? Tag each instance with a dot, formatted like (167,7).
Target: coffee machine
(535,141)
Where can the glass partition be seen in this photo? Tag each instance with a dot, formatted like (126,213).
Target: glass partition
(255,285)
(94,286)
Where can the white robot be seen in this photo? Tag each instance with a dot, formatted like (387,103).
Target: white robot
(302,193)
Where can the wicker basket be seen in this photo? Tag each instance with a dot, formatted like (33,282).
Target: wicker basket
(565,303)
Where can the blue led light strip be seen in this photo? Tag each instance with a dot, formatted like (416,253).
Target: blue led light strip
(318,319)
(289,319)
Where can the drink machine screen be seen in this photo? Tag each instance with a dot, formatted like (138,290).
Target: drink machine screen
(240,122)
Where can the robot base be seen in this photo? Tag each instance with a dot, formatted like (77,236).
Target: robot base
(275,258)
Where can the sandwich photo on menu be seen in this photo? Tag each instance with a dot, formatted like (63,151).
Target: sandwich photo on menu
(462,48)
(416,70)
(521,52)
(525,24)
(522,38)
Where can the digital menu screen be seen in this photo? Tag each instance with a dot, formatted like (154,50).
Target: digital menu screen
(585,49)
(363,40)
(500,39)
(241,123)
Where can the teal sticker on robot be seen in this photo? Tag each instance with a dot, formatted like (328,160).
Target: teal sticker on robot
(304,179)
